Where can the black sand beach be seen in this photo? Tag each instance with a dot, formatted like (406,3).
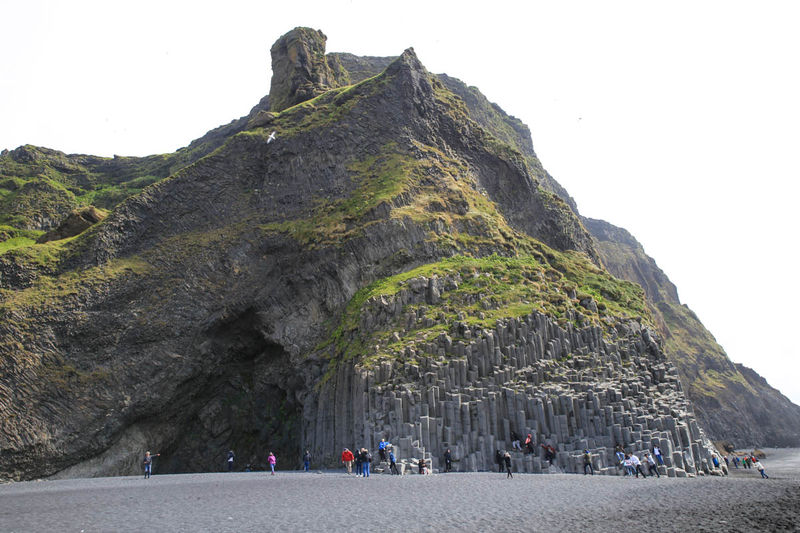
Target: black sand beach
(293,501)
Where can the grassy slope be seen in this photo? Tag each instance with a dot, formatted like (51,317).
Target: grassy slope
(488,289)
(39,187)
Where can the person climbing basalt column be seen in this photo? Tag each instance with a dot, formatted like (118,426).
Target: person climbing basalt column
(549,453)
(651,465)
(628,464)
(529,444)
(657,453)
(587,462)
(392,463)
(637,466)
(515,443)
(382,450)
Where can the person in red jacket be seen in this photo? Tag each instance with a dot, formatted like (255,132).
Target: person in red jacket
(529,444)
(347,459)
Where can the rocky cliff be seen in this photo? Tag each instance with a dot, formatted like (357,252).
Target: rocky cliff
(732,402)
(394,264)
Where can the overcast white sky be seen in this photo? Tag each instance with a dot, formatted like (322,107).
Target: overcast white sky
(679,121)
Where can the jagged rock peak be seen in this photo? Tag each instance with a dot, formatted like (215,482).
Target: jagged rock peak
(408,60)
(300,70)
(411,77)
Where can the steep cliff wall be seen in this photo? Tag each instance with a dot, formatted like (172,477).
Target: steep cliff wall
(732,402)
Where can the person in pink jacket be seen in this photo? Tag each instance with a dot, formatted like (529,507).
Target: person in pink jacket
(271,460)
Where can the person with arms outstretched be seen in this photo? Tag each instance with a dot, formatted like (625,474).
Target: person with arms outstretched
(148,463)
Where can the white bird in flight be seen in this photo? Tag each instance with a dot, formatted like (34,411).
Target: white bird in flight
(271,137)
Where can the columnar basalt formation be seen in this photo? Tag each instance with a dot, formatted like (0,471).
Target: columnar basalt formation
(575,388)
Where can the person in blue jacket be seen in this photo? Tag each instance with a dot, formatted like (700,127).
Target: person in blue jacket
(382,449)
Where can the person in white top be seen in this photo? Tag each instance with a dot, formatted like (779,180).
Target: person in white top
(637,465)
(657,453)
(761,470)
(628,464)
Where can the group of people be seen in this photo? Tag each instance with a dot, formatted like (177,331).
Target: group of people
(231,457)
(633,465)
(363,458)
(271,462)
(749,460)
(515,443)
(503,461)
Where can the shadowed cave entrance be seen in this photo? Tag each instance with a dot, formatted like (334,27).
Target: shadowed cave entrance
(245,401)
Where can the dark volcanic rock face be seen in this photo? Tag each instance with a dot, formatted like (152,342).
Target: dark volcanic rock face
(300,69)
(210,308)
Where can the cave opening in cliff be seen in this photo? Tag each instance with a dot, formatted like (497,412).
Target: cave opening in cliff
(247,401)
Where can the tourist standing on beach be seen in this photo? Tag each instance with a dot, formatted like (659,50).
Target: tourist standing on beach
(366,458)
(587,462)
(272,460)
(448,460)
(507,459)
(347,459)
(306,460)
(651,465)
(421,466)
(148,463)
(392,463)
(498,458)
(761,470)
(230,460)
(358,462)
